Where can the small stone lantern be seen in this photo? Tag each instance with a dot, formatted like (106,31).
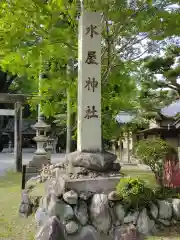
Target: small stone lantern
(41,129)
(41,156)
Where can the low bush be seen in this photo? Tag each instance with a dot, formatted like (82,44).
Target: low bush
(166,193)
(134,192)
(153,152)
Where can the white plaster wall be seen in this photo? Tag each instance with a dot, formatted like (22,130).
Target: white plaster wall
(153,124)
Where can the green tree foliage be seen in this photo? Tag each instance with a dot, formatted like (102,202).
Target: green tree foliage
(39,37)
(169,67)
(158,81)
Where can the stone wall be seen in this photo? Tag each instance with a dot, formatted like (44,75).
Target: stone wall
(67,214)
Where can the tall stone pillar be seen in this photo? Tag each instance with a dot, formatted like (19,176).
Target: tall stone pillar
(89,83)
(90,154)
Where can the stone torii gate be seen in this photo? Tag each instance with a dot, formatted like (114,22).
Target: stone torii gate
(17,100)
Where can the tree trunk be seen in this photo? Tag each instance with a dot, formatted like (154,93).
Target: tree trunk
(68,127)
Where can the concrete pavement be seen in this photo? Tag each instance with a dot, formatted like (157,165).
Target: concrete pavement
(7,159)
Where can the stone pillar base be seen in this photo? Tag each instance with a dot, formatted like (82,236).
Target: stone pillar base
(35,165)
(93,185)
(31,172)
(39,160)
(94,161)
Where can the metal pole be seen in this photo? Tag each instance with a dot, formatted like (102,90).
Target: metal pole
(23,183)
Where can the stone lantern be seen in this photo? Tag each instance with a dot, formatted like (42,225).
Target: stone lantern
(49,147)
(41,156)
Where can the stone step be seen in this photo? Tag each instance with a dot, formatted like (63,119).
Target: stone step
(30,175)
(95,185)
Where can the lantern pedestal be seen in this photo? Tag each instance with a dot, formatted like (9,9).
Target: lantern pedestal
(49,148)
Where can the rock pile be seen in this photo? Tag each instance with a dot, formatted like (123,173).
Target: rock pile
(84,216)
(66,214)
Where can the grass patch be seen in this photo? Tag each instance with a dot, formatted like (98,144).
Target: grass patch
(146,176)
(12,226)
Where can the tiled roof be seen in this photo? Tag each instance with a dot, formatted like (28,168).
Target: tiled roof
(171,110)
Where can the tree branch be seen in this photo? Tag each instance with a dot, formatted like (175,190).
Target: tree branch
(132,59)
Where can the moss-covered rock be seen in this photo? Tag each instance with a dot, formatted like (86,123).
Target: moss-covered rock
(31,183)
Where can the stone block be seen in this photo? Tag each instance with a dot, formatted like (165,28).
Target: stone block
(56,186)
(52,230)
(38,161)
(100,213)
(31,172)
(58,208)
(71,227)
(165,209)
(25,208)
(94,185)
(30,175)
(127,232)
(95,161)
(31,169)
(120,212)
(41,217)
(89,233)
(176,208)
(81,212)
(71,197)
(144,223)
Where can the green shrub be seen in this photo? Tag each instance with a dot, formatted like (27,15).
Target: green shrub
(134,192)
(153,152)
(165,193)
